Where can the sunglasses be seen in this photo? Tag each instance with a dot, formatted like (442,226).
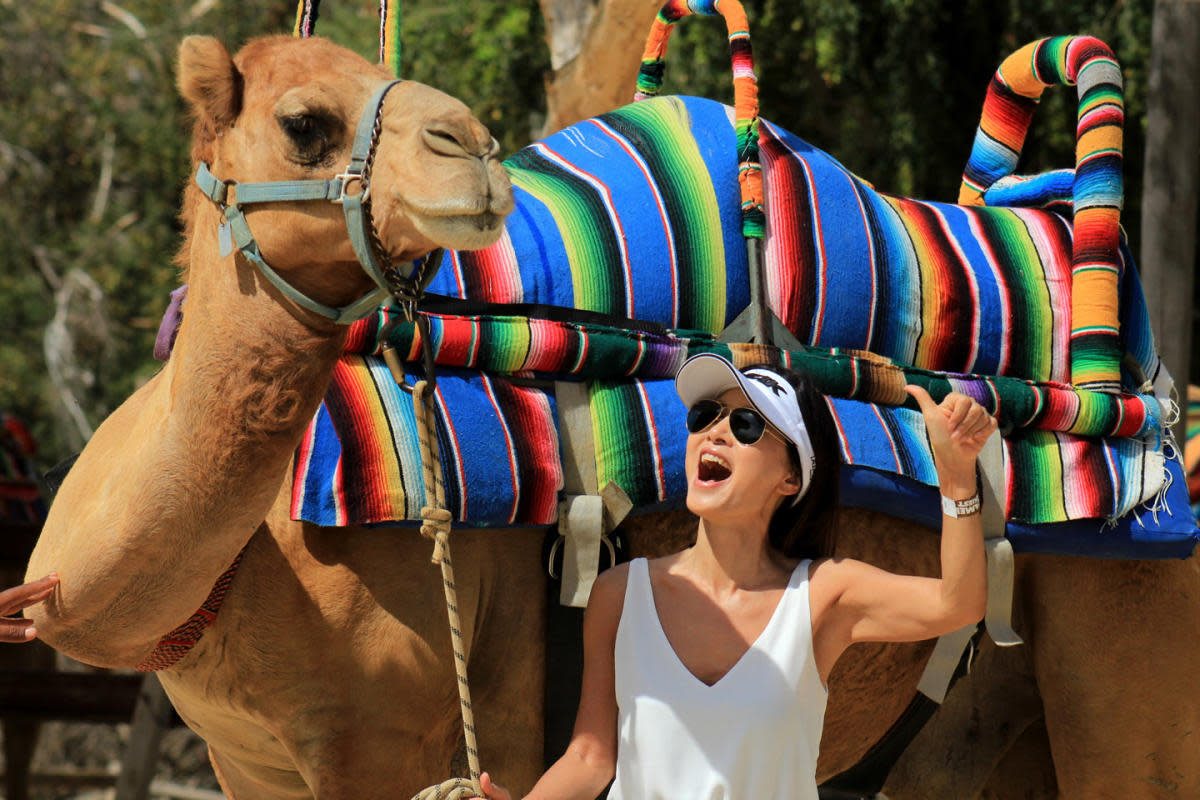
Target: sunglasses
(746,424)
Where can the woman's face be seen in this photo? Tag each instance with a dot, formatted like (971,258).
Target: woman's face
(736,483)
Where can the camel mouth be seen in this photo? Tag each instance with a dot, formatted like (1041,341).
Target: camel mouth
(465,231)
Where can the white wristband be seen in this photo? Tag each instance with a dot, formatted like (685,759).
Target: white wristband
(961,508)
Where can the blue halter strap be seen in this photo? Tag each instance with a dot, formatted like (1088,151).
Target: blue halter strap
(350,189)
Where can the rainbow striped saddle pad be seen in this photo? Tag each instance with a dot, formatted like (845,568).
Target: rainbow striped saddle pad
(625,255)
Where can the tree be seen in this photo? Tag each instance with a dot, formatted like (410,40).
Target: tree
(893,88)
(1172,182)
(94,154)
(93,150)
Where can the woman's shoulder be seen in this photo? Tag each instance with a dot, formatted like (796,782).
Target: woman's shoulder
(606,602)
(608,591)
(835,567)
(613,578)
(830,577)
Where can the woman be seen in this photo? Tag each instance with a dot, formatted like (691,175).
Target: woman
(705,672)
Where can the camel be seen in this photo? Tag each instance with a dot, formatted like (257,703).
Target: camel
(189,470)
(327,672)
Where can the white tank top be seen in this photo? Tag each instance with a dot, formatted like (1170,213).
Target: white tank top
(753,735)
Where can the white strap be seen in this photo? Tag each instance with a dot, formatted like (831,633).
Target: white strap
(586,514)
(584,522)
(998,616)
(581,524)
(575,433)
(939,670)
(943,661)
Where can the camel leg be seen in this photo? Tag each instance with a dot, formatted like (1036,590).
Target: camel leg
(1115,651)
(984,714)
(1026,771)
(507,660)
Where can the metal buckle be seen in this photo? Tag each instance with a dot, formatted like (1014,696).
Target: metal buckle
(347,178)
(221,194)
(392,358)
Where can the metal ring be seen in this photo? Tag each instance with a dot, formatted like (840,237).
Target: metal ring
(550,562)
(612,550)
(604,540)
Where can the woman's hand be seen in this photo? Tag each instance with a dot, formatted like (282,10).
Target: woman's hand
(958,428)
(15,629)
(491,791)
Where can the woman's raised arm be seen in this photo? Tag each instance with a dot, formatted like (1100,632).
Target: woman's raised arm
(856,602)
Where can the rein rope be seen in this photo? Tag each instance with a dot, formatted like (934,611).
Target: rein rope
(435,517)
(435,524)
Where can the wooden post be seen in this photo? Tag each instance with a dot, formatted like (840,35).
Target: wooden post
(1172,180)
(151,718)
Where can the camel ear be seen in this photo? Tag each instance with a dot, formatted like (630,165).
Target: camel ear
(208,79)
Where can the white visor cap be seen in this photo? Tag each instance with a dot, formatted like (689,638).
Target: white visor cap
(708,376)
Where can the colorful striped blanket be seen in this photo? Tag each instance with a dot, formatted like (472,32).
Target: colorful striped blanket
(636,215)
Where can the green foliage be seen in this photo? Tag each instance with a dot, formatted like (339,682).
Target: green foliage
(93,151)
(93,94)
(492,58)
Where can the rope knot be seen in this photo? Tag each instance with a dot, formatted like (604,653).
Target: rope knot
(435,525)
(452,789)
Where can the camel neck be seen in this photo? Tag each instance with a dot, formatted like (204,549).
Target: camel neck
(246,371)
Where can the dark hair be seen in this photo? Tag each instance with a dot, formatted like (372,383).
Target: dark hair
(808,529)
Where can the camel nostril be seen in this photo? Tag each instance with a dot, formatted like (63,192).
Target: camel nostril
(458,136)
(443,142)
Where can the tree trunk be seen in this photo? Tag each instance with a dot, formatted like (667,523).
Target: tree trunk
(595,52)
(1172,180)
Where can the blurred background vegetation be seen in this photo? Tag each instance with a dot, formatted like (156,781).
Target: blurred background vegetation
(93,140)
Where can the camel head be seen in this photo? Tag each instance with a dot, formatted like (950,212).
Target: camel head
(288,110)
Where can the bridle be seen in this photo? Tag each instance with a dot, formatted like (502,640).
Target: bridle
(406,286)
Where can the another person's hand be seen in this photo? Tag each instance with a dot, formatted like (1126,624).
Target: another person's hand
(491,791)
(16,629)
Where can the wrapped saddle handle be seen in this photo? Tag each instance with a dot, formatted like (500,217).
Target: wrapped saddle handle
(1012,97)
(745,91)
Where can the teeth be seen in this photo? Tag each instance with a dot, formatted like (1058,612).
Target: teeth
(712,458)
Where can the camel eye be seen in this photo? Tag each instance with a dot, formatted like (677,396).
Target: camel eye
(310,134)
(300,125)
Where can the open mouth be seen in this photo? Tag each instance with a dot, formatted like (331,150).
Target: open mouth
(712,469)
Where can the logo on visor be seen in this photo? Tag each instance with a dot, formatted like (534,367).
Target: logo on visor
(769,382)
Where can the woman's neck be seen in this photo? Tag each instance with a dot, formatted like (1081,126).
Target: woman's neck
(729,557)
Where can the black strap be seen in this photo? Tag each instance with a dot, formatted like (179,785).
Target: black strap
(454,306)
(865,780)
